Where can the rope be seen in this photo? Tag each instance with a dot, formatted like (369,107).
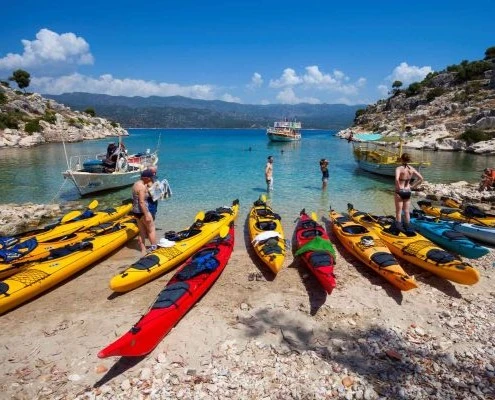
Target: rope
(58,192)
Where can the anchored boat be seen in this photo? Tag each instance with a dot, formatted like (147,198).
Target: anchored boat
(284,131)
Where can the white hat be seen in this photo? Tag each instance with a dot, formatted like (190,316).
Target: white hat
(165,243)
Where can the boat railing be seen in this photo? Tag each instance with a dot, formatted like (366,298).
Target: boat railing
(143,160)
(287,124)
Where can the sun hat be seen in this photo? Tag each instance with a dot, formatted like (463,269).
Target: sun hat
(164,242)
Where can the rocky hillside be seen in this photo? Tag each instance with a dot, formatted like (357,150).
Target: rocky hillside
(453,109)
(29,119)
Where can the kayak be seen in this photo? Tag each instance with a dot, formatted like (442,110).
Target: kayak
(267,235)
(468,214)
(444,235)
(182,244)
(416,249)
(187,286)
(83,220)
(367,247)
(313,246)
(43,250)
(64,262)
(477,232)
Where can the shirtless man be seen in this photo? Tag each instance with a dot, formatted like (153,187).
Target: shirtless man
(403,188)
(141,213)
(269,174)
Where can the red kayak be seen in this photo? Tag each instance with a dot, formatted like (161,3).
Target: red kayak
(186,287)
(313,245)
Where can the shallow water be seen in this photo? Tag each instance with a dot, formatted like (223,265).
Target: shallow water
(210,168)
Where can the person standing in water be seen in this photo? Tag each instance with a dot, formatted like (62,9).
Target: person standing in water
(403,190)
(141,212)
(269,174)
(324,172)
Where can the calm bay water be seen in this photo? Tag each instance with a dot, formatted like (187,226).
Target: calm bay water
(210,168)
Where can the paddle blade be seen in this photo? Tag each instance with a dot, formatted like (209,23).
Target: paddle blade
(313,216)
(224,231)
(200,216)
(70,216)
(93,204)
(263,198)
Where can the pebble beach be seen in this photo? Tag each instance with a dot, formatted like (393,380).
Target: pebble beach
(257,336)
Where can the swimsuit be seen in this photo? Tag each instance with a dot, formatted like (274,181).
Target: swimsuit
(404,194)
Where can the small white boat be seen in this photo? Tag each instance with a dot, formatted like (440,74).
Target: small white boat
(108,171)
(284,131)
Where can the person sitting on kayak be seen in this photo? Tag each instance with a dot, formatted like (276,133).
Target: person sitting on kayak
(404,174)
(487,179)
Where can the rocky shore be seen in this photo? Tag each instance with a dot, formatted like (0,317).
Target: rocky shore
(54,122)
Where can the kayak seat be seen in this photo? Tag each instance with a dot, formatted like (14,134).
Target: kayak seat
(4,288)
(453,235)
(383,259)
(474,212)
(271,246)
(65,251)
(321,259)
(212,251)
(207,263)
(266,225)
(447,211)
(311,233)
(110,210)
(170,295)
(344,219)
(440,256)
(100,227)
(354,229)
(212,216)
(7,241)
(309,224)
(268,214)
(146,262)
(178,236)
(225,210)
(18,251)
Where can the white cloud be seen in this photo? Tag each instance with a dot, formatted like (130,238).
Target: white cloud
(289,78)
(408,74)
(107,84)
(231,99)
(287,96)
(49,50)
(383,90)
(256,81)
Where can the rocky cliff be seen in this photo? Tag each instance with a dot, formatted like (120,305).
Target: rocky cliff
(446,111)
(29,119)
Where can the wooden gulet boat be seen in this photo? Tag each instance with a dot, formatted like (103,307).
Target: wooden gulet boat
(284,131)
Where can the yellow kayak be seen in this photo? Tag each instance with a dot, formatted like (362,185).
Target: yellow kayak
(82,221)
(267,235)
(43,250)
(182,244)
(468,214)
(39,277)
(367,247)
(418,250)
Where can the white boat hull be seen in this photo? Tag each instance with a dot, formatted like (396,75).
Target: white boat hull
(88,182)
(388,170)
(283,138)
(480,233)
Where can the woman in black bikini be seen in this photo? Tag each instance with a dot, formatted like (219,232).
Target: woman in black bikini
(403,176)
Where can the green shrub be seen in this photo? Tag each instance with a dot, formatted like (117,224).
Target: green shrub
(8,121)
(3,98)
(460,97)
(114,124)
(360,112)
(475,135)
(90,111)
(433,93)
(413,89)
(5,84)
(49,117)
(20,93)
(33,126)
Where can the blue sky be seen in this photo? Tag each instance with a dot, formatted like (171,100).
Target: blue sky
(252,52)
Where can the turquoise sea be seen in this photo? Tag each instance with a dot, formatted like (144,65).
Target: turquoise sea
(208,168)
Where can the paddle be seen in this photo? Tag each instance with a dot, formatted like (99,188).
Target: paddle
(314,217)
(200,216)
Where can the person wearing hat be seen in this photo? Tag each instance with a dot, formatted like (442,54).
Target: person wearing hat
(142,213)
(152,204)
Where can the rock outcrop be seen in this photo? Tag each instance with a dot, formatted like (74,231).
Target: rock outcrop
(437,113)
(28,120)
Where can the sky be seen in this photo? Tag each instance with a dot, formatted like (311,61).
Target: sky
(250,52)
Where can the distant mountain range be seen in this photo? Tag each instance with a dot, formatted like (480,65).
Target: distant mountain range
(183,112)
